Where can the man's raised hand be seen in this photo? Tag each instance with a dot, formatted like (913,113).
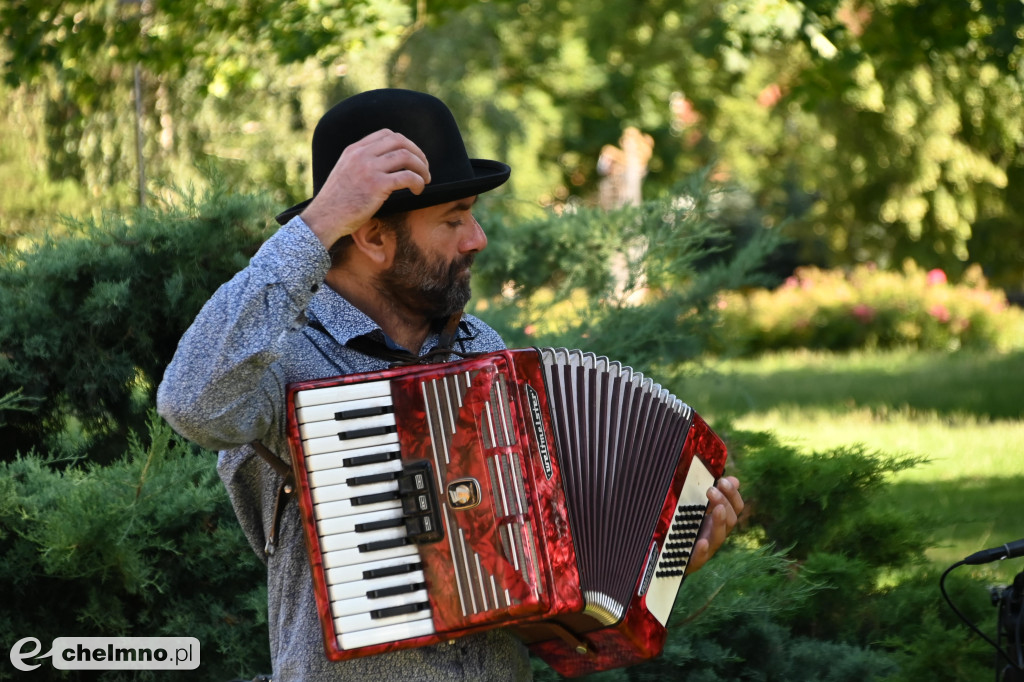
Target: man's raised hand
(365,175)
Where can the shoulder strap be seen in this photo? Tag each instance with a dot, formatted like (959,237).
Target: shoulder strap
(451,328)
(397,358)
(367,346)
(284,489)
(275,462)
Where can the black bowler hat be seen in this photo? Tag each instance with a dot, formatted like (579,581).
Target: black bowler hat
(422,118)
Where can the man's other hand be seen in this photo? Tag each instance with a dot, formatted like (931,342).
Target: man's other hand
(725,506)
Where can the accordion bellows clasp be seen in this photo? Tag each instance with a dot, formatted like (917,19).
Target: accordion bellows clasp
(551,491)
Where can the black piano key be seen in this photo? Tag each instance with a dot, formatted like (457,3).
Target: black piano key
(363,433)
(364,412)
(400,610)
(392,570)
(373,478)
(397,589)
(376,458)
(370,499)
(383,544)
(379,525)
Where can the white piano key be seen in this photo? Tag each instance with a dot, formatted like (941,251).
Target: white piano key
(317,446)
(343,508)
(315,413)
(337,541)
(355,589)
(364,605)
(339,394)
(341,474)
(330,493)
(347,524)
(322,429)
(341,574)
(330,459)
(351,557)
(363,621)
(383,635)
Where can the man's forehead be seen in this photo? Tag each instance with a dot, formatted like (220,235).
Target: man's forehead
(459,205)
(441,211)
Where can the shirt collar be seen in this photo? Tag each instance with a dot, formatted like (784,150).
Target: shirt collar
(344,322)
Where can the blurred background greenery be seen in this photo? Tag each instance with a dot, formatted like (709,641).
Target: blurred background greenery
(869,130)
(823,261)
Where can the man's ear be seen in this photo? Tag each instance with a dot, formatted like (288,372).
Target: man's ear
(375,242)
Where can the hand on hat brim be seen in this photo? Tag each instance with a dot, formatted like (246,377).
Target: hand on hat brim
(363,179)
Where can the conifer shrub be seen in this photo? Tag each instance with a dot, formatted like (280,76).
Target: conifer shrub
(91,318)
(636,284)
(806,589)
(145,546)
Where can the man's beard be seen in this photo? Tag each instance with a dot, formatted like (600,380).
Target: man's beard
(428,286)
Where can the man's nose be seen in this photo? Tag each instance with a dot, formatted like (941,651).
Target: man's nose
(475,239)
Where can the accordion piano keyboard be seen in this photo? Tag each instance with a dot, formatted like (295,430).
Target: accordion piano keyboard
(377,588)
(373,573)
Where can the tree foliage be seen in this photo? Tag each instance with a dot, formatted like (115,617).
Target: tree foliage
(237,86)
(882,129)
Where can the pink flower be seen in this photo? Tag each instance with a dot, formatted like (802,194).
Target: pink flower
(863,312)
(530,329)
(935,277)
(939,312)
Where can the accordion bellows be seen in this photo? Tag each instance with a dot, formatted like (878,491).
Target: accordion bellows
(550,491)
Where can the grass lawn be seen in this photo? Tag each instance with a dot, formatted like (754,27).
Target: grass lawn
(964,412)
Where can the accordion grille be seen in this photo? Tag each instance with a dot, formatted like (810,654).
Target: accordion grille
(619,437)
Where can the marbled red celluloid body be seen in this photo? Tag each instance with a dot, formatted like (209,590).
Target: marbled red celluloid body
(531,569)
(639,636)
(509,555)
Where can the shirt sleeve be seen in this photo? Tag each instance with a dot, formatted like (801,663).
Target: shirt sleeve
(223,387)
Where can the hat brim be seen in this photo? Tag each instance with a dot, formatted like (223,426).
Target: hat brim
(487,176)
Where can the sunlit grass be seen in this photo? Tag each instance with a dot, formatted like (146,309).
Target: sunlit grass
(964,413)
(957,448)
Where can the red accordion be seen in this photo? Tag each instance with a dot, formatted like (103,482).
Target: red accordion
(550,491)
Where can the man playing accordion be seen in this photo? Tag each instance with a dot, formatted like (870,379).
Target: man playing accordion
(374,267)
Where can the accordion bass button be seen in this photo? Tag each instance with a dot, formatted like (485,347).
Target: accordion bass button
(420,505)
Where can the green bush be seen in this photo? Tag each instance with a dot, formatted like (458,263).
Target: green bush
(866,308)
(89,320)
(866,559)
(635,284)
(144,543)
(805,590)
(146,546)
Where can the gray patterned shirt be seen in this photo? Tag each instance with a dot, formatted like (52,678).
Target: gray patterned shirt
(226,386)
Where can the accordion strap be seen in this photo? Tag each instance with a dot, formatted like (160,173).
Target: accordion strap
(451,328)
(400,358)
(284,489)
